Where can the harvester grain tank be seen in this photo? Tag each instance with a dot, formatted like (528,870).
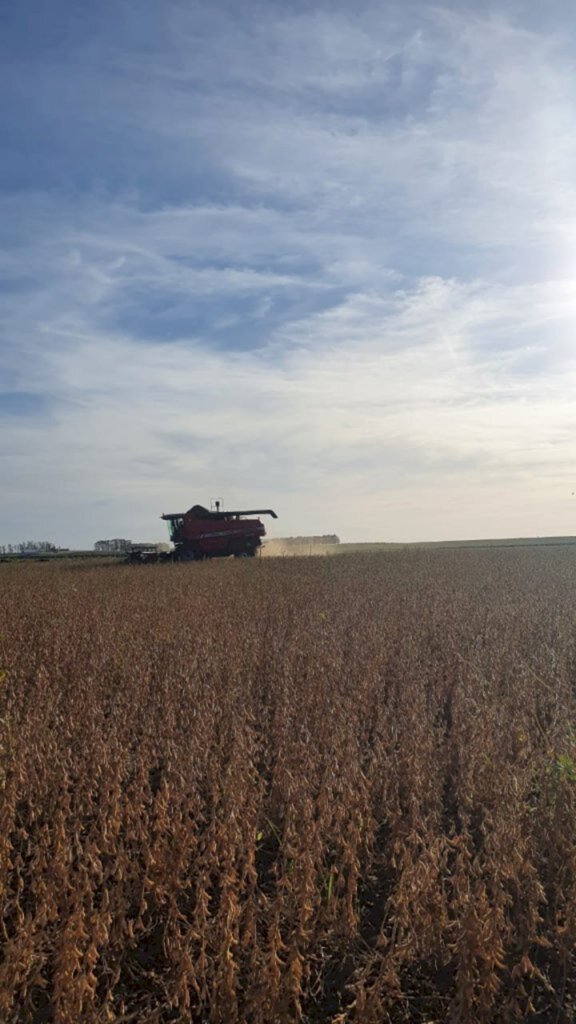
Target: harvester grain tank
(205,533)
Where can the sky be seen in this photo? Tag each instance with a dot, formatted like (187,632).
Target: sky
(314,256)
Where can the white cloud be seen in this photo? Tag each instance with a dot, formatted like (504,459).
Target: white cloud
(393,248)
(356,411)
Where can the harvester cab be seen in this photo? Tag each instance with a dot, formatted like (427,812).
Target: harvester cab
(205,533)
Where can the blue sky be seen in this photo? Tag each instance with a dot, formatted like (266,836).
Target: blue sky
(314,256)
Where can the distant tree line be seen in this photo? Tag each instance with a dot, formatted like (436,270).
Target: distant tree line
(326,538)
(27,545)
(119,544)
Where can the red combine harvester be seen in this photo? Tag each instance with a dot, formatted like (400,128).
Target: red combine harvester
(201,533)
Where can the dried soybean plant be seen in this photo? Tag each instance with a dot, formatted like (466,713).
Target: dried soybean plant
(333,789)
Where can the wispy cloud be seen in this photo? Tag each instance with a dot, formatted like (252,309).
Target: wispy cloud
(300,257)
